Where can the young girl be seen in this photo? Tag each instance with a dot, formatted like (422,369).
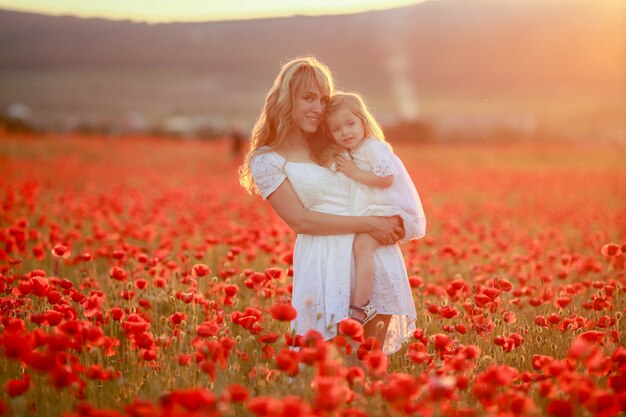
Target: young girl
(383,187)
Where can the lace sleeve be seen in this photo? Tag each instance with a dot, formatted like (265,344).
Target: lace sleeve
(267,172)
(381,159)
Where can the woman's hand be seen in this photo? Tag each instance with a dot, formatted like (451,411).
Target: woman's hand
(346,166)
(387,230)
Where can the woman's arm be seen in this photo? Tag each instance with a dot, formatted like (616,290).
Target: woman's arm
(288,206)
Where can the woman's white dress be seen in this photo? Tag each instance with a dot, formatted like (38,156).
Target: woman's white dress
(324,265)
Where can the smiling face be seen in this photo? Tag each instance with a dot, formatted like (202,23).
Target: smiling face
(309,107)
(346,128)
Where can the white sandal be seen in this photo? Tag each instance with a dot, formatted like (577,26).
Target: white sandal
(369,311)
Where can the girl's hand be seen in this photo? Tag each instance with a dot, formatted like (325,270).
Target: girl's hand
(346,166)
(387,230)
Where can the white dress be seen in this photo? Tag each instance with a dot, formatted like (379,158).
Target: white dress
(400,198)
(324,265)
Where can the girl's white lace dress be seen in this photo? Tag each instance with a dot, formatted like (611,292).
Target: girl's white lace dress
(323,265)
(400,198)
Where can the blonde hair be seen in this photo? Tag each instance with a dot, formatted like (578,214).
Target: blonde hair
(356,105)
(276,118)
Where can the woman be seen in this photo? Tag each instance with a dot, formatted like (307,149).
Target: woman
(314,201)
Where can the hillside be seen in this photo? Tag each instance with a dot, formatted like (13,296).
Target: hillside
(548,59)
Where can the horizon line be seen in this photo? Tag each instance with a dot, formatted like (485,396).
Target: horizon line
(209,18)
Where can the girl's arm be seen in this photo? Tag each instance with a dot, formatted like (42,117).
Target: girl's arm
(288,206)
(350,170)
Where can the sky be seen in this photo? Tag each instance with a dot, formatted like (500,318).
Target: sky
(156,11)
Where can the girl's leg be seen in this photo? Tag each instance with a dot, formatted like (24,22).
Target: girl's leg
(364,247)
(377,327)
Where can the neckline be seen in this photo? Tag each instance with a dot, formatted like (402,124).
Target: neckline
(297,162)
(303,163)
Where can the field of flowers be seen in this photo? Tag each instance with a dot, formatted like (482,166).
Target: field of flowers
(138,279)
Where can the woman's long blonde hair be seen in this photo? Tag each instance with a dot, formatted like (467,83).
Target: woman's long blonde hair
(356,105)
(276,118)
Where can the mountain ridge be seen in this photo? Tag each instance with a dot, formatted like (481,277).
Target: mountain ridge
(473,52)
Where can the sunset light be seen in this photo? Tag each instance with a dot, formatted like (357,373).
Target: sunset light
(157,11)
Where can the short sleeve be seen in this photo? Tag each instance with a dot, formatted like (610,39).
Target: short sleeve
(380,158)
(267,172)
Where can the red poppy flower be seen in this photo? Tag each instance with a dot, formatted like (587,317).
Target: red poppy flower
(231,290)
(481,300)
(185,297)
(149,355)
(237,393)
(16,387)
(184,359)
(441,341)
(560,408)
(15,344)
(117,273)
(194,399)
(268,338)
(265,406)
(200,270)
(563,302)
(503,284)
(618,383)
(61,251)
(509,317)
(116,313)
(53,317)
(611,250)
(296,406)
(273,272)
(287,257)
(329,392)
(207,329)
(492,293)
(65,283)
(554,318)
(352,329)
(449,312)
(138,408)
(85,256)
(592,336)
(283,312)
(287,361)
(471,352)
(177,317)
(433,308)
(377,362)
(40,286)
(416,281)
(355,374)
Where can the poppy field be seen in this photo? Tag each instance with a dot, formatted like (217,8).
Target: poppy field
(137,278)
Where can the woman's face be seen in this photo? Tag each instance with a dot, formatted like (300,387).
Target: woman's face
(346,128)
(309,108)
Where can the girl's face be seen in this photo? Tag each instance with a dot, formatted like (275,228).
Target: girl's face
(309,108)
(346,128)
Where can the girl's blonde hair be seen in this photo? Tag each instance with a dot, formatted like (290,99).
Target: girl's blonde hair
(276,118)
(356,105)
